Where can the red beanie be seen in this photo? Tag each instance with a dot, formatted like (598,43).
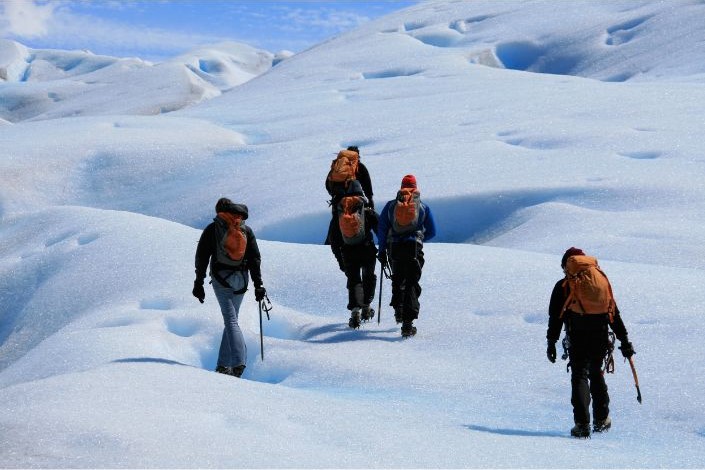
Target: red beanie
(409,181)
(572,251)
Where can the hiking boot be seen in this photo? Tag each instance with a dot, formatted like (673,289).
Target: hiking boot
(407,330)
(367,313)
(397,315)
(238,370)
(354,321)
(224,370)
(602,425)
(581,430)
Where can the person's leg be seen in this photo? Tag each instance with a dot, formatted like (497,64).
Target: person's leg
(355,289)
(598,386)
(397,300)
(233,349)
(369,281)
(354,286)
(369,284)
(580,390)
(410,262)
(413,269)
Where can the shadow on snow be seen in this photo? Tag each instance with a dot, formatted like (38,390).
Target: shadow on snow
(516,432)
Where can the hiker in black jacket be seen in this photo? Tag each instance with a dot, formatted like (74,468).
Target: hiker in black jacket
(357,258)
(588,346)
(336,191)
(230,247)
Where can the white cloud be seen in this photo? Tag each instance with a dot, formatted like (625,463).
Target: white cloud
(65,29)
(25,18)
(105,34)
(326,18)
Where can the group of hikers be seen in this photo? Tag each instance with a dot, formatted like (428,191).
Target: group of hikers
(581,303)
(401,228)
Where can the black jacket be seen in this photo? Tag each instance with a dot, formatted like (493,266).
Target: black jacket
(576,321)
(205,254)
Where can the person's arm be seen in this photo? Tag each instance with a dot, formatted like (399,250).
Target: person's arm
(254,259)
(335,240)
(372,219)
(620,331)
(383,229)
(204,251)
(555,307)
(429,224)
(363,176)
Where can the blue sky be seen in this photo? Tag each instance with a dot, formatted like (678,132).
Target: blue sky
(159,29)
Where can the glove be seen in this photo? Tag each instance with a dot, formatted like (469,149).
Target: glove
(260,292)
(627,349)
(551,351)
(198,291)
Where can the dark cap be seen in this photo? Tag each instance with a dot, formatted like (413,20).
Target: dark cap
(572,251)
(226,205)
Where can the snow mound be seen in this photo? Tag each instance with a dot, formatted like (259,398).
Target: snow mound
(50,84)
(227,64)
(610,41)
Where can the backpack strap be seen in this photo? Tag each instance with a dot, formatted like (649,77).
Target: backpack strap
(568,297)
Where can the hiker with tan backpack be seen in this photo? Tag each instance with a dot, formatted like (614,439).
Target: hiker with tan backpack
(583,302)
(351,241)
(345,168)
(350,230)
(230,248)
(404,224)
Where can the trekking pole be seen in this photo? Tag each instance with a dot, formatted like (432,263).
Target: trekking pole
(636,380)
(267,306)
(384,272)
(379,307)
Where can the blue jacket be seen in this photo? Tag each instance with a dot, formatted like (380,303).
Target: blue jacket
(426,228)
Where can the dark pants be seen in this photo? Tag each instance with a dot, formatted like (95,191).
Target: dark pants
(406,260)
(359,261)
(587,353)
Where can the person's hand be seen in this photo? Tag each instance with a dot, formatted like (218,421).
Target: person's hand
(260,293)
(627,349)
(198,291)
(551,351)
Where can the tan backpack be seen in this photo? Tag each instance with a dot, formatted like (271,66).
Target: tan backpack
(406,211)
(344,167)
(351,218)
(589,288)
(231,241)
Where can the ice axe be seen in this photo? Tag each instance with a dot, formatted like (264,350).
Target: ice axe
(636,379)
(267,306)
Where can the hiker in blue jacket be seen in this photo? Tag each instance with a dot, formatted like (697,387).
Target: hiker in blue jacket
(404,224)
